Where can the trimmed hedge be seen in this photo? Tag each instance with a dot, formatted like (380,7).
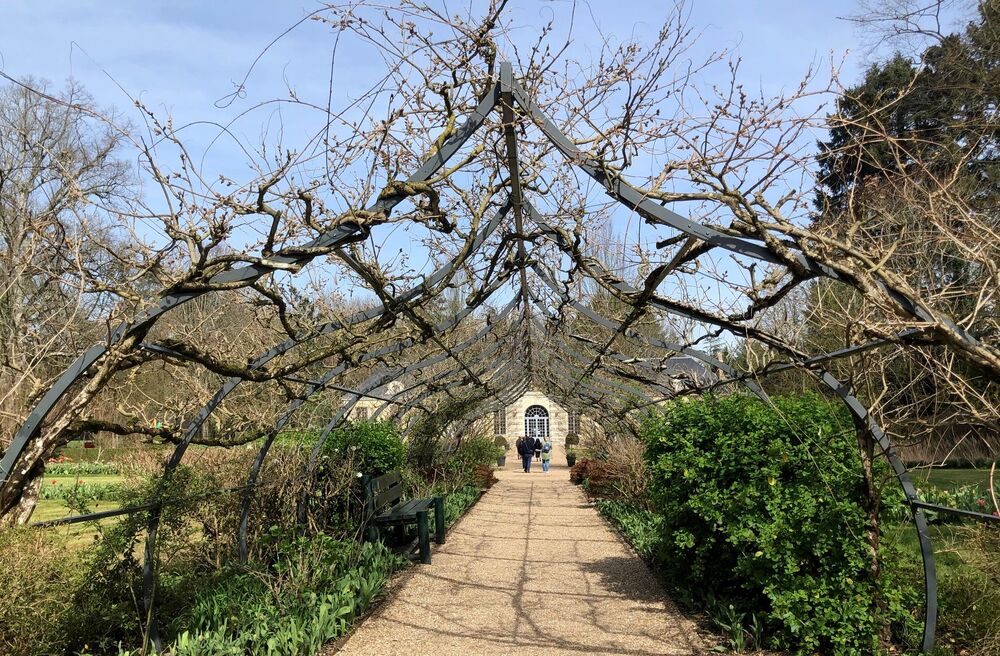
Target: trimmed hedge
(374,447)
(761,507)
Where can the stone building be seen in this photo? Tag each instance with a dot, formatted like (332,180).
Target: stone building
(366,406)
(535,413)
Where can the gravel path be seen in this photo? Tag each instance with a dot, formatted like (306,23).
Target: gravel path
(532,569)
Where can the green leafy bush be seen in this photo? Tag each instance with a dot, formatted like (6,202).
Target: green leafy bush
(466,461)
(39,573)
(642,528)
(298,436)
(425,437)
(375,447)
(761,506)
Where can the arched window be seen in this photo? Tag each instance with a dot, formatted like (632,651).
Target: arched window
(536,421)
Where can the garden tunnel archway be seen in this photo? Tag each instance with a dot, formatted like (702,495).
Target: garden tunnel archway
(531,265)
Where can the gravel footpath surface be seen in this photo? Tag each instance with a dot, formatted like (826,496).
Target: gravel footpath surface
(531,569)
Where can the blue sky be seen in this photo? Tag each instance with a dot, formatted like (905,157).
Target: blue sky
(186,54)
(183,57)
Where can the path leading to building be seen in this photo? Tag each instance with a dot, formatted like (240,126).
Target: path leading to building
(532,569)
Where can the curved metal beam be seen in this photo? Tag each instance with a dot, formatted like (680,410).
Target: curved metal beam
(860,413)
(637,201)
(195,425)
(127,334)
(269,439)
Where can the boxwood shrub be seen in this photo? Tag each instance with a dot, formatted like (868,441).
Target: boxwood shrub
(760,508)
(374,447)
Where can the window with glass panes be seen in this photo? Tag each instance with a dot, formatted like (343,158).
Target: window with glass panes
(574,422)
(499,422)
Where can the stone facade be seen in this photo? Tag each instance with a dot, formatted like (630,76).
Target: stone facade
(366,406)
(513,425)
(558,418)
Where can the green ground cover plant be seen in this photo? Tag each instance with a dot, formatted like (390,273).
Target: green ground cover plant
(308,576)
(459,501)
(80,489)
(310,595)
(642,528)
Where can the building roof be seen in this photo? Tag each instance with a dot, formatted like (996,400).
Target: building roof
(685,366)
(385,390)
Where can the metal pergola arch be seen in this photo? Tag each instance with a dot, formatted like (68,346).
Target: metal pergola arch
(312,388)
(855,407)
(394,400)
(338,418)
(441,275)
(569,382)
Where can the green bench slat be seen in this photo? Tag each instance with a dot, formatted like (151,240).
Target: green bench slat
(387,497)
(384,506)
(385,481)
(405,511)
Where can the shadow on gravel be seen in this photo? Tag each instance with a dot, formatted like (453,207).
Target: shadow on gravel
(618,576)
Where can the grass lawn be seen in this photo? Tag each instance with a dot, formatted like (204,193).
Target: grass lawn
(950,550)
(947,479)
(81,534)
(968,601)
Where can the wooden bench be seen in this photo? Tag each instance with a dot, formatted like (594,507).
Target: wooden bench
(384,507)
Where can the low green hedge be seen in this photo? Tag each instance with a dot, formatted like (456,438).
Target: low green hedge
(374,447)
(69,468)
(761,506)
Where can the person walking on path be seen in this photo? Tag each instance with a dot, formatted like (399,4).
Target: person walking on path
(546,454)
(538,448)
(525,450)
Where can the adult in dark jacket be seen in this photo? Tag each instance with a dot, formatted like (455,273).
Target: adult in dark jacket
(537,448)
(525,450)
